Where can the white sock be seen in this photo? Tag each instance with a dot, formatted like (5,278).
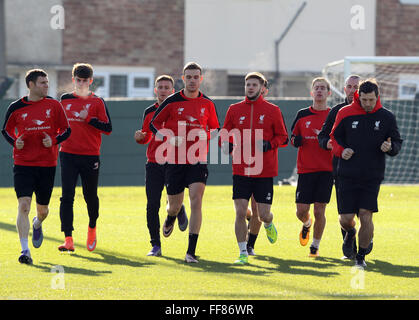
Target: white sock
(24,244)
(243,247)
(315,243)
(37,223)
(307,224)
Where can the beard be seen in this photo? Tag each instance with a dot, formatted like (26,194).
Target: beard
(255,95)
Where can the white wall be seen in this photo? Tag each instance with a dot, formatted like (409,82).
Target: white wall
(30,38)
(239,35)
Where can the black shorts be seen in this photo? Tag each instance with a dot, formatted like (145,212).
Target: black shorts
(28,180)
(261,188)
(180,176)
(357,194)
(314,187)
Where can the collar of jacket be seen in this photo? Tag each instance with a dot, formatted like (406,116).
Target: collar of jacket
(357,104)
(258,100)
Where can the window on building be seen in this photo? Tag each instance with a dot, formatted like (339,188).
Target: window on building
(122,82)
(118,86)
(235,85)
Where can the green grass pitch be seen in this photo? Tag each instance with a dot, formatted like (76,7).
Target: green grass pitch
(119,268)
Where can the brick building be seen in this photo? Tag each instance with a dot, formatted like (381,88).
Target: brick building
(130,42)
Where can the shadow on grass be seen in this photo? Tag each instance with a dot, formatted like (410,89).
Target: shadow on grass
(109,258)
(316,267)
(112,259)
(388,269)
(222,267)
(47,267)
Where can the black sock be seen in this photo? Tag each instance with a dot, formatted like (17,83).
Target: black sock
(362,252)
(351,233)
(343,233)
(92,224)
(193,239)
(252,239)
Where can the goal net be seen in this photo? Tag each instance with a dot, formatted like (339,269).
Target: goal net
(398,79)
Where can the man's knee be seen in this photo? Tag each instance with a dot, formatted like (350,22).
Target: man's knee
(24,205)
(365,216)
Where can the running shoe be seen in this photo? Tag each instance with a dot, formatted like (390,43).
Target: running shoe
(37,235)
(360,262)
(155,251)
(251,251)
(91,239)
(191,258)
(243,259)
(304,235)
(168,228)
(182,219)
(68,245)
(271,233)
(348,244)
(314,252)
(25,257)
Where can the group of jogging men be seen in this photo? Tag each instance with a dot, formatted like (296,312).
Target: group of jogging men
(345,146)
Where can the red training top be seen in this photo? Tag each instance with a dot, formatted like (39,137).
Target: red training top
(311,157)
(181,116)
(31,121)
(86,134)
(256,121)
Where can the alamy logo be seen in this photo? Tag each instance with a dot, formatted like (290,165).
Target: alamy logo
(355,124)
(377,125)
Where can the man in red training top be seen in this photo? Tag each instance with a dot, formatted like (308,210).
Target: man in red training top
(155,171)
(79,156)
(314,165)
(258,130)
(187,119)
(34,126)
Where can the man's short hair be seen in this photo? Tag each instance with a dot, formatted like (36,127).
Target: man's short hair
(82,70)
(352,76)
(32,75)
(368,86)
(164,77)
(192,66)
(323,79)
(258,76)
